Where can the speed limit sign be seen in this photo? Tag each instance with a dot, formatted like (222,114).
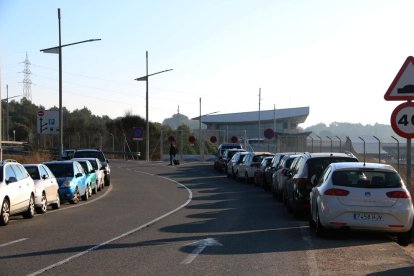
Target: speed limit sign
(402,120)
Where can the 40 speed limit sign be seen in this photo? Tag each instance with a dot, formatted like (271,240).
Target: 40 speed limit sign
(402,120)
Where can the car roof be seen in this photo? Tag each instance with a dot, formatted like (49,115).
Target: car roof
(361,165)
(328,154)
(60,162)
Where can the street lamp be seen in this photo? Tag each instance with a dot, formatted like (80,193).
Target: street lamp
(145,78)
(58,50)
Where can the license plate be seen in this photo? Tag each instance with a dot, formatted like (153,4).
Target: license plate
(368,216)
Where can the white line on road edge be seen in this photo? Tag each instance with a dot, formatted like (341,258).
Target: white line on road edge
(16,241)
(190,196)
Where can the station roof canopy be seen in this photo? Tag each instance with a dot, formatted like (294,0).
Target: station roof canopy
(298,115)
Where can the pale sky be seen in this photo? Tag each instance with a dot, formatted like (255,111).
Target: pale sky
(336,56)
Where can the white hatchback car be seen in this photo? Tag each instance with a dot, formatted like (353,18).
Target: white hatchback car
(46,187)
(17,191)
(362,196)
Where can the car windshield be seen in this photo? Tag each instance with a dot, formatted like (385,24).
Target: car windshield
(366,179)
(61,170)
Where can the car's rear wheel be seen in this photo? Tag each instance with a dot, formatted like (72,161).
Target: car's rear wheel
(405,238)
(56,205)
(30,209)
(319,229)
(76,196)
(85,197)
(5,213)
(95,189)
(43,208)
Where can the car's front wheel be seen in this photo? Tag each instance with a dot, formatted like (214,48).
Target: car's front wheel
(43,208)
(76,196)
(30,209)
(88,191)
(5,213)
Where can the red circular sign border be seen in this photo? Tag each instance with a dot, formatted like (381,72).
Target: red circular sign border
(394,124)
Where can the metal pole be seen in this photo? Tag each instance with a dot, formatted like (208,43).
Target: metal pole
(259,134)
(320,142)
(60,92)
(340,143)
(330,140)
(7,113)
(398,153)
(146,115)
(379,149)
(364,146)
(199,126)
(161,143)
(409,164)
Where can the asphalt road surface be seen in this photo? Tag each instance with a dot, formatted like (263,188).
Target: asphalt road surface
(157,219)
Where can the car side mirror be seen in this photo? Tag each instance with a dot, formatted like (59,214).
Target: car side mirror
(78,175)
(44,177)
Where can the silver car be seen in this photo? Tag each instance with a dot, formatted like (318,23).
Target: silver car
(46,187)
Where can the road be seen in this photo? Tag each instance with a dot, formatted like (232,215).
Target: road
(156,219)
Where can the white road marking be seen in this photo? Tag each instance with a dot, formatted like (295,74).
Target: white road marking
(12,242)
(200,246)
(190,196)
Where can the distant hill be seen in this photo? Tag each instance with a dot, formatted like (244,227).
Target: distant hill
(352,130)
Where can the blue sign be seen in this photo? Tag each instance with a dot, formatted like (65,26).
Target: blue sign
(138,133)
(268,133)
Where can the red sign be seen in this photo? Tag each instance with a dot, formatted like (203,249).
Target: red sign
(234,139)
(402,120)
(40,113)
(213,139)
(268,133)
(191,139)
(402,88)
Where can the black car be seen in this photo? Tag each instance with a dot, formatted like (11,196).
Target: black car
(301,178)
(96,153)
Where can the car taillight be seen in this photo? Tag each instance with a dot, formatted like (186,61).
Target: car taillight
(336,192)
(398,194)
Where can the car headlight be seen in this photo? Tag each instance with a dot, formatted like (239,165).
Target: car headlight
(66,184)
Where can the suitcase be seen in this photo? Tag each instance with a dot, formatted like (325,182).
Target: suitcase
(176,162)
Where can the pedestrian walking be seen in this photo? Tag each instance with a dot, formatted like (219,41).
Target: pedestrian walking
(173,152)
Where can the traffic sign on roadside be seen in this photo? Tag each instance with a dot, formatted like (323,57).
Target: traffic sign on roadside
(402,88)
(138,134)
(402,120)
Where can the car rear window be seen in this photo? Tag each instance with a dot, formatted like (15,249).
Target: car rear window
(366,179)
(92,154)
(61,170)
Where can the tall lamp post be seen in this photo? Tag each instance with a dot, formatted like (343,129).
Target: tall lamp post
(58,50)
(145,78)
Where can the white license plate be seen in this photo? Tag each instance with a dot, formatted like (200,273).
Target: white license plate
(368,216)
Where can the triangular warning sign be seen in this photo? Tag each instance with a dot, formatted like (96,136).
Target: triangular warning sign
(402,88)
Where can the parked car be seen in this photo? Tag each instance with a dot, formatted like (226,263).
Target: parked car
(234,161)
(227,155)
(17,191)
(362,196)
(96,153)
(67,154)
(309,168)
(46,187)
(91,179)
(259,174)
(99,171)
(71,179)
(273,167)
(280,175)
(251,161)
(220,152)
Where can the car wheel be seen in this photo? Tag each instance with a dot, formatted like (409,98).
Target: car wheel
(76,196)
(319,229)
(99,187)
(85,197)
(43,208)
(56,205)
(30,209)
(246,178)
(405,238)
(5,213)
(312,224)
